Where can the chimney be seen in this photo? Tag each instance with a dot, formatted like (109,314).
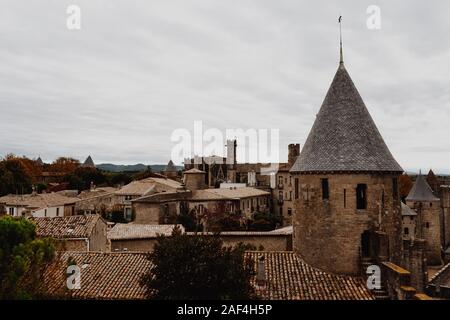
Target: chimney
(261,272)
(293,153)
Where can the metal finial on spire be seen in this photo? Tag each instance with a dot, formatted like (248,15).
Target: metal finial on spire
(341,60)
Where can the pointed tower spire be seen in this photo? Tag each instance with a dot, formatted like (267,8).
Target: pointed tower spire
(341,57)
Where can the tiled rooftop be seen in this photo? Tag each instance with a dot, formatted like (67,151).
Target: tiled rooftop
(149,185)
(66,227)
(116,276)
(290,278)
(37,201)
(103,275)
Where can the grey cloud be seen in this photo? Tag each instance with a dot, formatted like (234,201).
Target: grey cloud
(139,69)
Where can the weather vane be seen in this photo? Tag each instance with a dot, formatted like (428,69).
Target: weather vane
(341,61)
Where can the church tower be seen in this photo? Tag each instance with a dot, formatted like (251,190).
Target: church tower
(347,205)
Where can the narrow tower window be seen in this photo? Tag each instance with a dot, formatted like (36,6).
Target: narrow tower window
(361,201)
(296,188)
(345,198)
(325,189)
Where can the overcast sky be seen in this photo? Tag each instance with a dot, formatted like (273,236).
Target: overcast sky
(138,70)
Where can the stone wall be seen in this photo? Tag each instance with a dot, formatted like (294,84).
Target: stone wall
(139,245)
(146,213)
(409,223)
(328,233)
(414,260)
(71,245)
(261,240)
(98,240)
(445,204)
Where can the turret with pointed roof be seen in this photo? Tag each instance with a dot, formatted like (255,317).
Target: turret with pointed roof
(170,167)
(346,186)
(39,161)
(421,191)
(428,224)
(170,171)
(88,163)
(433,181)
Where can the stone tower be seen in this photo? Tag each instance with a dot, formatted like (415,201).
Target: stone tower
(194,179)
(88,163)
(428,226)
(347,206)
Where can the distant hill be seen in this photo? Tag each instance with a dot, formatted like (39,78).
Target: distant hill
(133,167)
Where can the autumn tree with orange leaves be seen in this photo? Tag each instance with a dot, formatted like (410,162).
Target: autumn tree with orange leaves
(405,184)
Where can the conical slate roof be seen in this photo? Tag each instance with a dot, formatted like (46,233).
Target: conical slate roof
(39,161)
(170,167)
(421,191)
(89,162)
(344,136)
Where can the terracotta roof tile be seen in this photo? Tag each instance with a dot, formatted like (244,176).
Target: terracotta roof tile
(149,185)
(38,201)
(65,227)
(116,276)
(290,278)
(103,275)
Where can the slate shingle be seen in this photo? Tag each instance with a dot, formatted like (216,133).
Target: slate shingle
(344,137)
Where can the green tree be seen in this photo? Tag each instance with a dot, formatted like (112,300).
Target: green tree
(190,267)
(119,178)
(144,174)
(22,259)
(81,178)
